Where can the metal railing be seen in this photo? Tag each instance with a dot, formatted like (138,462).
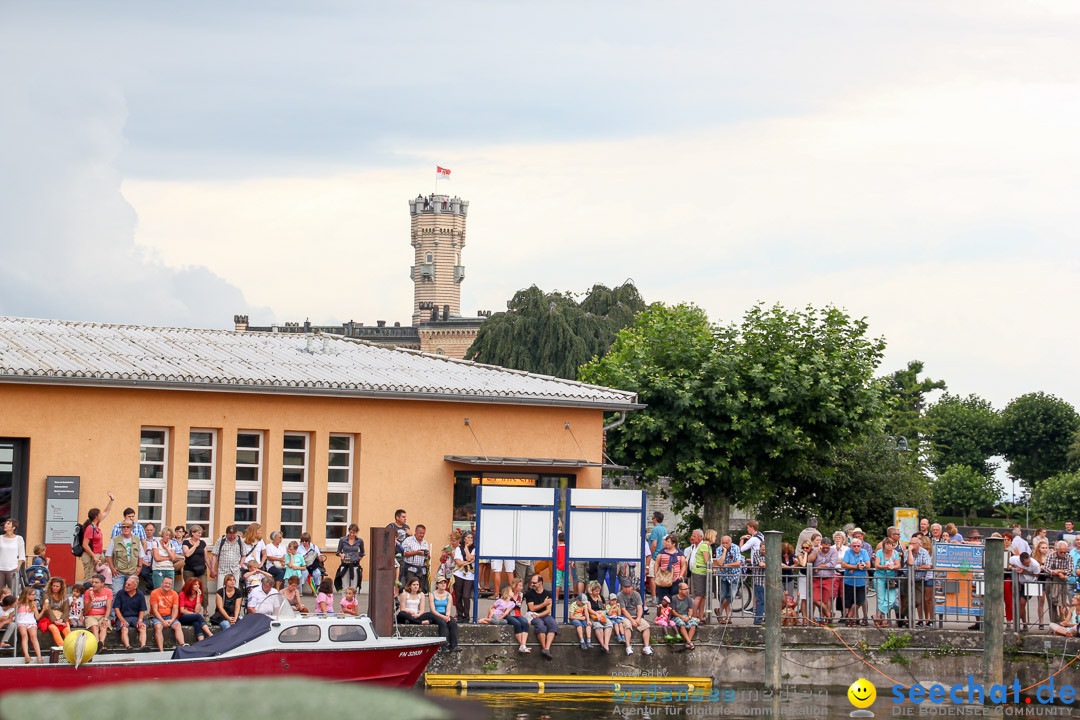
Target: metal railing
(906,598)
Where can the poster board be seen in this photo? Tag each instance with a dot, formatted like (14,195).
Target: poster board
(514,523)
(957,568)
(907,519)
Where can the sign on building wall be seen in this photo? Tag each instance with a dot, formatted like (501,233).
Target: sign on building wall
(61,508)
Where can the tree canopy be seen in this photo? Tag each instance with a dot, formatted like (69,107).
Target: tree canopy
(960,487)
(1036,432)
(1057,498)
(963,431)
(553,333)
(742,412)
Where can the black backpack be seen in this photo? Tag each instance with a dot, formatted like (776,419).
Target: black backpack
(77,540)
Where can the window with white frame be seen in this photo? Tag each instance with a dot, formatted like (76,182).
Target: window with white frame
(153,474)
(202,476)
(249,476)
(339,486)
(294,484)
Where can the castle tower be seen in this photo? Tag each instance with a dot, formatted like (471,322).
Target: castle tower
(438,237)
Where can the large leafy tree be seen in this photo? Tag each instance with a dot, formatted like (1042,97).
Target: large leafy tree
(864,484)
(963,431)
(962,488)
(1057,498)
(740,412)
(554,333)
(1036,432)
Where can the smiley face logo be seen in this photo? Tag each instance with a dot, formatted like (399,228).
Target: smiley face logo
(861,693)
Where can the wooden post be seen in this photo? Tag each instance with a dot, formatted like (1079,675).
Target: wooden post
(381,583)
(993,611)
(774,598)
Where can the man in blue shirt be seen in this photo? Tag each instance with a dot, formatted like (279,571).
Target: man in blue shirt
(656,544)
(855,563)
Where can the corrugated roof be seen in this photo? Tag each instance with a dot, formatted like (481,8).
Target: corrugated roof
(58,352)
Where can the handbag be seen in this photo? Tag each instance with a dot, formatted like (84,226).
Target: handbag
(664,578)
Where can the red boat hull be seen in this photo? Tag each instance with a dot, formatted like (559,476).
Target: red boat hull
(400,667)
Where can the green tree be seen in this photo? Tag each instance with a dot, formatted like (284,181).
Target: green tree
(863,486)
(1057,498)
(963,488)
(963,431)
(1073,456)
(553,333)
(1036,431)
(905,402)
(738,411)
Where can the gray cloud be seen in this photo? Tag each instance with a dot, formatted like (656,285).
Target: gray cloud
(67,234)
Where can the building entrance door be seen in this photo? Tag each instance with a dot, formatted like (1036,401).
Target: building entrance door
(13,480)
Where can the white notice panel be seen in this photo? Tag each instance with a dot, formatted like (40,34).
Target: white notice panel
(600,535)
(622,535)
(516,533)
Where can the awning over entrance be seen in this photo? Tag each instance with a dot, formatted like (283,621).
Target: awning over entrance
(519,462)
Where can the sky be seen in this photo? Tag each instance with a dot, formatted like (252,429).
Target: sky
(914,163)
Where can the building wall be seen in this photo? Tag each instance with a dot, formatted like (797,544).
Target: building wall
(398,462)
(452,342)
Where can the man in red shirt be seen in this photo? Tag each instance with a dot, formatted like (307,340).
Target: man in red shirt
(97,608)
(165,612)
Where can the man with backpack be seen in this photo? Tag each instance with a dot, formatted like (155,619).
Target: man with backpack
(225,556)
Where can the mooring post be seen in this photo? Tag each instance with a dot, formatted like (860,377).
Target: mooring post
(993,610)
(774,599)
(381,547)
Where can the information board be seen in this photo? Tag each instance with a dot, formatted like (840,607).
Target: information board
(958,575)
(907,519)
(61,508)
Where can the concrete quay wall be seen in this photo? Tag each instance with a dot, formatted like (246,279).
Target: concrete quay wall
(812,657)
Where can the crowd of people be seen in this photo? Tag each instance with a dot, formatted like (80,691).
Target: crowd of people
(141,577)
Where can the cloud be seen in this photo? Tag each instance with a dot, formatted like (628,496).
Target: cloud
(67,234)
(904,206)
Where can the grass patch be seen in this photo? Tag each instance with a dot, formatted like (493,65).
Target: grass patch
(895,641)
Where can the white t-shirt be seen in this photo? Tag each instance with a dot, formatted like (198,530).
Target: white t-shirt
(156,564)
(458,573)
(254,553)
(753,543)
(256,601)
(12,552)
(1021,545)
(275,552)
(1029,573)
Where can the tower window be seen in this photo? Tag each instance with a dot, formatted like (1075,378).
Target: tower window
(429,257)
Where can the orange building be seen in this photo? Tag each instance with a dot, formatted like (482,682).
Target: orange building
(296,432)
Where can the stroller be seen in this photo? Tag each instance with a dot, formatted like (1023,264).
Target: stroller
(37,578)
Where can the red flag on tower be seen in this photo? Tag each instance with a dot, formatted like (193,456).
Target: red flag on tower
(441,173)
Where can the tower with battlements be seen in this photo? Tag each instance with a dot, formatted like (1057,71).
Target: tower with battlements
(437,234)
